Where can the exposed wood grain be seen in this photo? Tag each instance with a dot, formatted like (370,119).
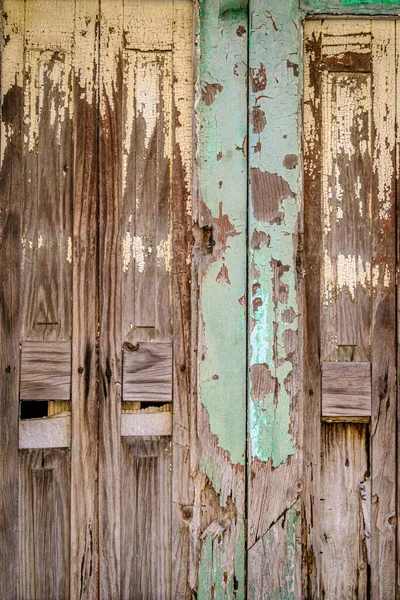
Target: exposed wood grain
(110,271)
(146,518)
(84,466)
(48,154)
(182,243)
(44,534)
(45,371)
(50,432)
(356,154)
(346,389)
(145,424)
(10,260)
(344,568)
(148,372)
(383,340)
(312,304)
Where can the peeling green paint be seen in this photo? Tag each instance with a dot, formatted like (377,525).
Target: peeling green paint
(351,6)
(213,577)
(274,211)
(286,589)
(222,119)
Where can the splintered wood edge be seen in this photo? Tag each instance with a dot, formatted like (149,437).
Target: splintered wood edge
(143,424)
(49,432)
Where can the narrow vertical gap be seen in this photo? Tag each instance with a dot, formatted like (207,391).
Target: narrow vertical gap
(247,337)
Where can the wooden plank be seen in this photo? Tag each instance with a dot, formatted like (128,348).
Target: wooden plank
(398,289)
(145,424)
(45,371)
(84,441)
(147,372)
(218,412)
(183,408)
(312,306)
(274,480)
(344,563)
(44,534)
(346,389)
(110,273)
(351,7)
(10,261)
(146,518)
(50,432)
(48,155)
(383,339)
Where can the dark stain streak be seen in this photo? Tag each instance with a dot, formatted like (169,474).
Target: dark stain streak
(209,91)
(88,362)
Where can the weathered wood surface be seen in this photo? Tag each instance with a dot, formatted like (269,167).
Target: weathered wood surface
(11,189)
(218,414)
(49,432)
(344,547)
(44,532)
(274,305)
(140,423)
(148,372)
(84,442)
(346,389)
(349,178)
(146,518)
(355,7)
(45,371)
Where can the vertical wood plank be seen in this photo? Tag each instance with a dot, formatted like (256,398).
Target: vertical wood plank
(312,290)
(344,467)
(44,534)
(383,421)
(218,440)
(182,243)
(84,453)
(110,180)
(274,304)
(146,518)
(10,261)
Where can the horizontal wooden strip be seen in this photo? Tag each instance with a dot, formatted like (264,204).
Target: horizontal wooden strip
(346,389)
(45,371)
(148,372)
(50,432)
(142,424)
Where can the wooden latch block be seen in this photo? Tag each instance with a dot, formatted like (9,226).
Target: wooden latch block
(346,389)
(45,371)
(148,372)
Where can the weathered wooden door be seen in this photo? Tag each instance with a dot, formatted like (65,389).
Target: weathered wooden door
(350,117)
(95,208)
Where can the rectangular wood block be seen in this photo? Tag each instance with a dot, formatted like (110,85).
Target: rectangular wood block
(148,372)
(346,389)
(45,371)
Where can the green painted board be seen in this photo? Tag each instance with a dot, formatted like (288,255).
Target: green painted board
(357,7)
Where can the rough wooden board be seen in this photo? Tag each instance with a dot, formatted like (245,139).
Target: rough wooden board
(274,303)
(110,272)
(147,372)
(10,261)
(84,519)
(346,389)
(383,342)
(48,157)
(344,564)
(183,409)
(146,518)
(50,432)
(45,371)
(218,437)
(275,559)
(44,533)
(145,424)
